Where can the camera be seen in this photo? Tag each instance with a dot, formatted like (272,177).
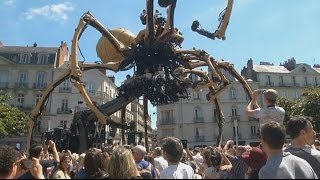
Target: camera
(26,164)
(48,137)
(184,144)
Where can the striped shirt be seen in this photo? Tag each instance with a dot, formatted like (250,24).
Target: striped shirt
(239,167)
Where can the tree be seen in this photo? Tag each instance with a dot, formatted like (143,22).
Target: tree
(12,120)
(311,105)
(308,105)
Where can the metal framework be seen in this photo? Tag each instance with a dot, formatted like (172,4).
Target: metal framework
(162,67)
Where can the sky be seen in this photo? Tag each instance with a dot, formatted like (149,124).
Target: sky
(264,30)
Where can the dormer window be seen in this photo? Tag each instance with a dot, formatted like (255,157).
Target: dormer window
(42,59)
(24,59)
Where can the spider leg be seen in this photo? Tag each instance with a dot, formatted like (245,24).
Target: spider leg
(38,108)
(149,36)
(169,26)
(221,121)
(85,20)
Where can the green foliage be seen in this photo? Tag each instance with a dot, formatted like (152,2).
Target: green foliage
(12,120)
(309,105)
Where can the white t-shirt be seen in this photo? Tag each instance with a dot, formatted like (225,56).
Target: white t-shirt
(160,163)
(180,171)
(267,114)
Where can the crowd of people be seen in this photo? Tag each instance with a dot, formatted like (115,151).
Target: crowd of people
(271,159)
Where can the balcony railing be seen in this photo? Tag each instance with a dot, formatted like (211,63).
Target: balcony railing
(39,85)
(269,83)
(253,119)
(235,117)
(21,85)
(199,138)
(4,84)
(198,120)
(64,111)
(65,89)
(167,121)
(24,107)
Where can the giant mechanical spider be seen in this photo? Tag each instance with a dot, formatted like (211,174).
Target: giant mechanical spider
(161,68)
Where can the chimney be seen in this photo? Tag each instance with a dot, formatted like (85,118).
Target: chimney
(62,55)
(112,78)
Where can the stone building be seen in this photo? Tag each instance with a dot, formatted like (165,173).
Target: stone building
(195,119)
(26,72)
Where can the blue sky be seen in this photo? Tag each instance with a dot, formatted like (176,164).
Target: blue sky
(264,30)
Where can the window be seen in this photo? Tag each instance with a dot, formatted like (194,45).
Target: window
(232,93)
(42,59)
(268,80)
(64,105)
(20,99)
(22,79)
(234,130)
(196,95)
(305,81)
(253,130)
(315,81)
(234,112)
(4,78)
(40,82)
(66,85)
(281,81)
(63,123)
(24,59)
(296,94)
(38,96)
(91,88)
(199,132)
(198,113)
(294,80)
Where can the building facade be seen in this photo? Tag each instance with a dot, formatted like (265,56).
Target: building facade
(26,72)
(195,119)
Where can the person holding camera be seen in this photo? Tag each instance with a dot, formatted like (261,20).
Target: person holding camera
(265,114)
(35,154)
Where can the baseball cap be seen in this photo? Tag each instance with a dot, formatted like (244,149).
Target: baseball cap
(255,158)
(270,94)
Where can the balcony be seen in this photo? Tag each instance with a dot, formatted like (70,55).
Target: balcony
(39,85)
(4,84)
(235,118)
(64,111)
(65,89)
(255,136)
(199,138)
(167,121)
(269,84)
(92,92)
(198,120)
(24,107)
(21,85)
(253,119)
(281,84)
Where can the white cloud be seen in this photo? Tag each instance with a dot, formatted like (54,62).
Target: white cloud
(8,2)
(55,12)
